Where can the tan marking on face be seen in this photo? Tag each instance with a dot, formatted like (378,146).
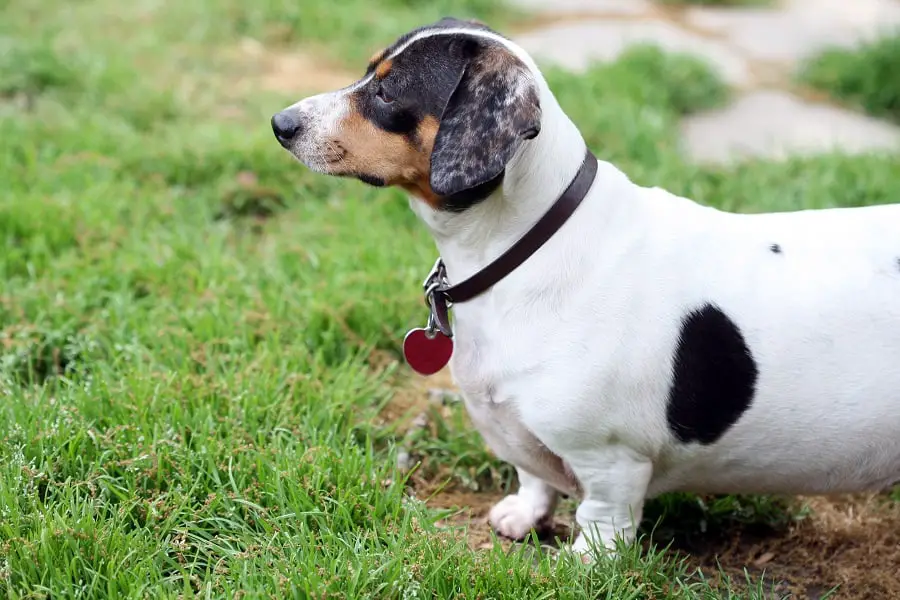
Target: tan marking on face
(392,157)
(420,184)
(383,68)
(376,58)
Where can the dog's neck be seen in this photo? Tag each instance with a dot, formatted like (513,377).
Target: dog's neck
(535,178)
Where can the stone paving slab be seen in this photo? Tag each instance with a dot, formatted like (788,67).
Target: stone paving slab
(798,30)
(598,7)
(575,45)
(776,124)
(735,41)
(857,14)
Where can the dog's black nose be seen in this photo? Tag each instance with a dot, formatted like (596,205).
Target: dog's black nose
(285,127)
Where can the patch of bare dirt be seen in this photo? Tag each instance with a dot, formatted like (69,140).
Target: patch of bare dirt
(300,72)
(413,399)
(246,198)
(469,516)
(851,543)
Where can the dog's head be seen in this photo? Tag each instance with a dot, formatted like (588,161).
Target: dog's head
(440,112)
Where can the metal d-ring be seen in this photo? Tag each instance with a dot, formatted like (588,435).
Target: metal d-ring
(429,293)
(431,329)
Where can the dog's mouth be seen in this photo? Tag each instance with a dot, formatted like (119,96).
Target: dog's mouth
(331,159)
(327,158)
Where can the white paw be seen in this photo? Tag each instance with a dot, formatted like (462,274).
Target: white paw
(581,545)
(588,550)
(514,517)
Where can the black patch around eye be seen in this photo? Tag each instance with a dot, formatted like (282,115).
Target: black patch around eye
(399,120)
(383,95)
(775,249)
(713,379)
(397,116)
(420,81)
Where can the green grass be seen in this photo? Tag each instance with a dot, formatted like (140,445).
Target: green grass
(187,316)
(864,77)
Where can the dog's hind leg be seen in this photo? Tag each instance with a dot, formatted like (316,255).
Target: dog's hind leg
(531,507)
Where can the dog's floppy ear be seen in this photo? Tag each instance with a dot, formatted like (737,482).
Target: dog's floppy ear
(494,107)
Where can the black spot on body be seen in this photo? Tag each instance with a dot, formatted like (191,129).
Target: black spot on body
(714,377)
(775,249)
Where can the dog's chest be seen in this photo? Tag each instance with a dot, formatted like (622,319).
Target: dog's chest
(492,357)
(497,374)
(476,371)
(482,372)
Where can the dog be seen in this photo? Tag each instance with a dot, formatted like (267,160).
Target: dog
(652,344)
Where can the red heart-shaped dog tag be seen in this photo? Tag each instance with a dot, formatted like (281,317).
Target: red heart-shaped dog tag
(427,355)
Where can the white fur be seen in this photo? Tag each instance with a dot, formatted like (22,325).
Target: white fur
(574,349)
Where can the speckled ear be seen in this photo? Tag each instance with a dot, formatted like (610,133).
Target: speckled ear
(494,107)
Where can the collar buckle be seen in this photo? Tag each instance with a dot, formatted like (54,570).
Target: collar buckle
(436,300)
(437,277)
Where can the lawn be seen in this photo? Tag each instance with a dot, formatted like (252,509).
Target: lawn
(202,392)
(864,76)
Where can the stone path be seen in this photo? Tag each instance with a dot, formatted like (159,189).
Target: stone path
(757,50)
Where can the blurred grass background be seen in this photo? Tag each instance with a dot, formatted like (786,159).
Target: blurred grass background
(199,335)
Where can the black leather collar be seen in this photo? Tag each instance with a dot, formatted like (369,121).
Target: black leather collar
(439,295)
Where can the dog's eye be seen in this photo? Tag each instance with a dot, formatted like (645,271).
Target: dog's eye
(383,95)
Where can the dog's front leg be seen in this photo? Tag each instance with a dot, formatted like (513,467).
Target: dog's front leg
(531,507)
(541,473)
(614,481)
